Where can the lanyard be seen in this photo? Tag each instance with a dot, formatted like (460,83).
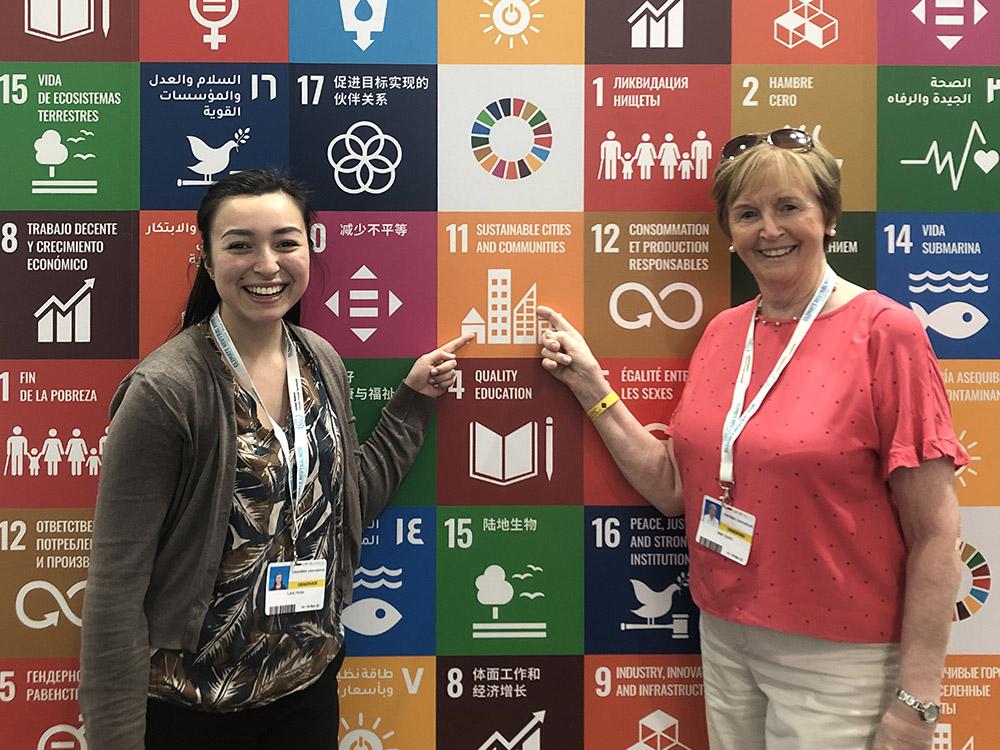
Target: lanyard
(297,483)
(738,417)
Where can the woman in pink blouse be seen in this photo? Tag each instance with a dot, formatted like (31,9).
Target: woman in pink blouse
(816,416)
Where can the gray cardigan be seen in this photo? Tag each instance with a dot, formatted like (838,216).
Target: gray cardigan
(163,505)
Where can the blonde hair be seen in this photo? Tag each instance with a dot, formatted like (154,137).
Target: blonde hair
(816,167)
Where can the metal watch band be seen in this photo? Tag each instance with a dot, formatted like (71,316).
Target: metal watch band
(929,712)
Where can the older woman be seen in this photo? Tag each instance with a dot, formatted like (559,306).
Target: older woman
(816,416)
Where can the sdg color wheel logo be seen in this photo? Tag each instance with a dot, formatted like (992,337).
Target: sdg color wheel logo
(977,565)
(511,138)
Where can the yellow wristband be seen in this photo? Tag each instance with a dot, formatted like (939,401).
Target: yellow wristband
(603,405)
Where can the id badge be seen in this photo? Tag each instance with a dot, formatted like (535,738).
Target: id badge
(726,530)
(295,587)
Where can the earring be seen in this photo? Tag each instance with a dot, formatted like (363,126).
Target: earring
(732,249)
(833,232)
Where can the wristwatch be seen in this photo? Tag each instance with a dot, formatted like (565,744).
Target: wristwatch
(929,712)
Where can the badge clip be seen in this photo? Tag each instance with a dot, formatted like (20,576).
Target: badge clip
(726,487)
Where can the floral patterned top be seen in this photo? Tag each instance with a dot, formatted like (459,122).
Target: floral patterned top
(245,658)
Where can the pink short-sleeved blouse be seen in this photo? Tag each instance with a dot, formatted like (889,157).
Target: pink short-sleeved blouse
(862,396)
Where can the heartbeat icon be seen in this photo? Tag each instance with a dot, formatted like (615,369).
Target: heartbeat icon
(985,160)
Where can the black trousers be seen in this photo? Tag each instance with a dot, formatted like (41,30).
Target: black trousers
(308,718)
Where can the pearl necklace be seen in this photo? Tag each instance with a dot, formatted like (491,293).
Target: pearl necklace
(759,316)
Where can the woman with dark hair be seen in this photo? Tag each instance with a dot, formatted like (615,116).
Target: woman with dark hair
(232,453)
(815,420)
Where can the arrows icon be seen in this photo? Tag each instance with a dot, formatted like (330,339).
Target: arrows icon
(364,303)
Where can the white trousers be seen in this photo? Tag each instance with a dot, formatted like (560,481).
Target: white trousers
(779,691)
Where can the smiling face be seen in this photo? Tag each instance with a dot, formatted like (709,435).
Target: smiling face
(259,259)
(777,227)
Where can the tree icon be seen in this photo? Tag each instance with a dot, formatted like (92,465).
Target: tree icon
(49,149)
(494,589)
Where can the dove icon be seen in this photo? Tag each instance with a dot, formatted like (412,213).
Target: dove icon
(657,604)
(654,603)
(212,161)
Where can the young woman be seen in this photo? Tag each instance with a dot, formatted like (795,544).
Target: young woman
(232,454)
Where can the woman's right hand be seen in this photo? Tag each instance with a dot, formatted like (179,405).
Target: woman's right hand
(647,463)
(566,355)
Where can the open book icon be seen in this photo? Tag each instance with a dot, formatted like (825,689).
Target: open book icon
(503,459)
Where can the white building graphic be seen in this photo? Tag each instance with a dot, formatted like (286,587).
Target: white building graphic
(506,322)
(943,739)
(658,28)
(499,306)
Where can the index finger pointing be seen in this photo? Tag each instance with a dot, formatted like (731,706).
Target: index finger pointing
(558,322)
(455,344)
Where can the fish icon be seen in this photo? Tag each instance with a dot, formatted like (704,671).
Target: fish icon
(956,320)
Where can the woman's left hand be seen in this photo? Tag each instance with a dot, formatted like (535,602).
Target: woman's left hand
(433,373)
(898,733)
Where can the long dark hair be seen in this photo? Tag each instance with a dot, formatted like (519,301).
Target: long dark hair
(204,297)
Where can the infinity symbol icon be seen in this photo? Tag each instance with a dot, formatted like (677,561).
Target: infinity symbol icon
(644,320)
(50,619)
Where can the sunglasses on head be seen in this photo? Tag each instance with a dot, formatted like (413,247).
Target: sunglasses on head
(789,138)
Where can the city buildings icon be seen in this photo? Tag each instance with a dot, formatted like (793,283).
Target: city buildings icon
(943,739)
(506,322)
(658,28)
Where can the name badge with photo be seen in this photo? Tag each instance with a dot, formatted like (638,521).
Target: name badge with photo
(726,530)
(295,587)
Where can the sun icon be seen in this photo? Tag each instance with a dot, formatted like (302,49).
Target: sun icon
(967,469)
(364,739)
(510,18)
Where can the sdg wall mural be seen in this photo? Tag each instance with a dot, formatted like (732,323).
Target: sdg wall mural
(471,159)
